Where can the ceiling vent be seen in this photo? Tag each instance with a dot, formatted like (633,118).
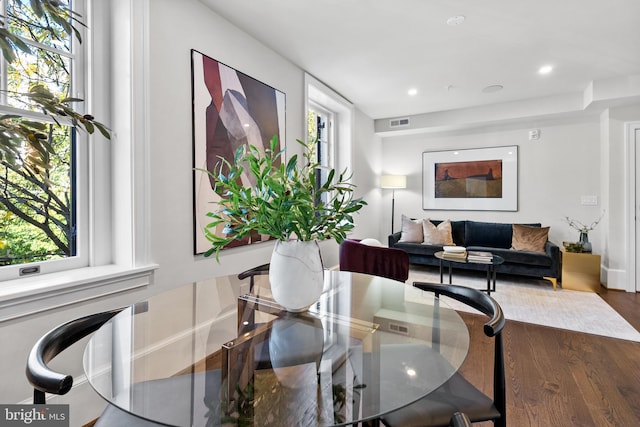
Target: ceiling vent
(394,123)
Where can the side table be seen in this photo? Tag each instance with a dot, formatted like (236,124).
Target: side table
(580,271)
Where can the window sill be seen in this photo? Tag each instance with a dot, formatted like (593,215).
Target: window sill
(31,295)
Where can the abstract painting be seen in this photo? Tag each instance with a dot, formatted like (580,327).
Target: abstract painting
(471,179)
(230,109)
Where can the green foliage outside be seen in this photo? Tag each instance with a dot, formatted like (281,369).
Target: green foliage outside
(35,207)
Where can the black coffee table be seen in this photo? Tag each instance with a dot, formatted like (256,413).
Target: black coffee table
(491,268)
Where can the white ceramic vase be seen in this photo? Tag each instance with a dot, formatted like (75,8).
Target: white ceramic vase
(295,348)
(296,274)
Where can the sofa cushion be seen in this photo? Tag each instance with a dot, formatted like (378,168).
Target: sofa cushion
(457,231)
(411,230)
(526,238)
(437,235)
(488,234)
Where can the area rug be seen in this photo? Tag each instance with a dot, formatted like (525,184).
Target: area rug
(534,301)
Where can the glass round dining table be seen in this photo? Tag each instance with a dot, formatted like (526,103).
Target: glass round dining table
(221,351)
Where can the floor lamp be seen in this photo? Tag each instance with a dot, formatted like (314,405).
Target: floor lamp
(393,182)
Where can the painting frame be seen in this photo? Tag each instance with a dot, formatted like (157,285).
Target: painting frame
(471,179)
(229,109)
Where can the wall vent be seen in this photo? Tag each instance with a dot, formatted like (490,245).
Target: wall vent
(394,123)
(400,329)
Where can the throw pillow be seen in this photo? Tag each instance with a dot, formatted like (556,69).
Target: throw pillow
(370,242)
(527,238)
(440,235)
(411,230)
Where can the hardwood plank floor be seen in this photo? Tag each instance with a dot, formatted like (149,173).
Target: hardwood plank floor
(625,303)
(557,377)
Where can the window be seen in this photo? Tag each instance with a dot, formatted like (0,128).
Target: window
(42,228)
(320,128)
(330,119)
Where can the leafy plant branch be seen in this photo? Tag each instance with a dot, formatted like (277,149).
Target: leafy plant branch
(56,21)
(284,200)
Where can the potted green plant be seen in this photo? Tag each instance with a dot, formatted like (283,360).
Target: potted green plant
(583,244)
(296,204)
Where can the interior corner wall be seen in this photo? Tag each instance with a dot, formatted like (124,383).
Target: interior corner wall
(553,173)
(367,149)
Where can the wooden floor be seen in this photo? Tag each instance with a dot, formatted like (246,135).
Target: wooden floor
(557,377)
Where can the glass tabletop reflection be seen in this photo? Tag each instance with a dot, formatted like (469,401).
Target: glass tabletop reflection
(218,352)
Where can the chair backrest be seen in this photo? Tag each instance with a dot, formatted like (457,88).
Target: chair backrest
(379,261)
(460,419)
(42,378)
(492,328)
(255,271)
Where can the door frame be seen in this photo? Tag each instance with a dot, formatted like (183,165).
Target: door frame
(632,138)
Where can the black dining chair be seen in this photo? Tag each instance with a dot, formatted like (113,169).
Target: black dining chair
(457,395)
(255,271)
(460,419)
(45,380)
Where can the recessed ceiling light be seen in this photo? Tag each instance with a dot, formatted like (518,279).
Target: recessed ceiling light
(492,88)
(412,92)
(455,20)
(545,69)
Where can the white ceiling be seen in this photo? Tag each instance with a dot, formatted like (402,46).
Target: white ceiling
(373,51)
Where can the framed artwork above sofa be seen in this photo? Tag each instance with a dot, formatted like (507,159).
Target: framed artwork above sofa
(471,179)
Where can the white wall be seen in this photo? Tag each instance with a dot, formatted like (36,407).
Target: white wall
(553,172)
(366,171)
(176,28)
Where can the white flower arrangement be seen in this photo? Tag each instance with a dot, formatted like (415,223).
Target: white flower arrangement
(582,228)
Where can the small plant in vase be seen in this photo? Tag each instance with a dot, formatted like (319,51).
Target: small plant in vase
(295,204)
(583,244)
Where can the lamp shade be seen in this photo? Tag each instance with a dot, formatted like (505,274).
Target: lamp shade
(393,181)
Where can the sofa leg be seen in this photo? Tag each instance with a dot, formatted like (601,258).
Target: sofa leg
(553,281)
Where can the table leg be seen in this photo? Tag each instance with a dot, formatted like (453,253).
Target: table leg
(489,274)
(494,278)
(449,272)
(441,272)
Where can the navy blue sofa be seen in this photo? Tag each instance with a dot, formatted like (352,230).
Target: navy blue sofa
(492,237)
